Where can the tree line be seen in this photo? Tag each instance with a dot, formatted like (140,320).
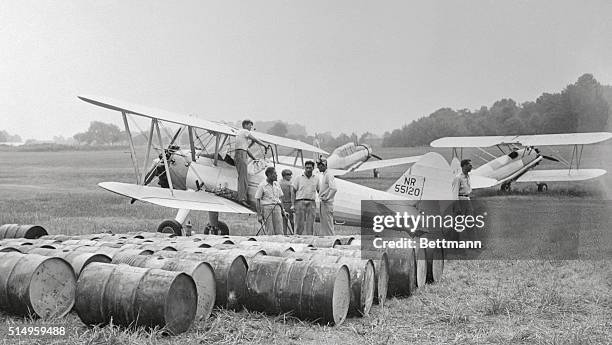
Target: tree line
(581,107)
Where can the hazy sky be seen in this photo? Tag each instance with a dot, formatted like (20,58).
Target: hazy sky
(339,65)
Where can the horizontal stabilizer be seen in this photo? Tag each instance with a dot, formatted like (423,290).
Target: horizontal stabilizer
(560,175)
(378,164)
(191,200)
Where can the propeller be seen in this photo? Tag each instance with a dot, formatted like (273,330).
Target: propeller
(550,158)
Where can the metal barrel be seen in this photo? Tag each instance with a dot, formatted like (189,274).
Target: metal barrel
(271,248)
(77,260)
(362,279)
(402,270)
(133,296)
(315,241)
(311,290)
(108,251)
(154,247)
(231,248)
(22,231)
(381,267)
(230,273)
(145,235)
(201,272)
(36,285)
(346,240)
(59,237)
(9,249)
(234,239)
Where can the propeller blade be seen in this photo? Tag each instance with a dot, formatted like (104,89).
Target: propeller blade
(377,157)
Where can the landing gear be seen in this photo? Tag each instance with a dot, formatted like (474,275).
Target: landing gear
(170,226)
(542,187)
(221,229)
(215,226)
(505,187)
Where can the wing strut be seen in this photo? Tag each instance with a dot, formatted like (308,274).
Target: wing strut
(132,151)
(161,144)
(149,144)
(191,143)
(217,140)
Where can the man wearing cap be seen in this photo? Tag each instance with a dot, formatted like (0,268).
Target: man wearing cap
(285,185)
(327,190)
(269,209)
(243,141)
(304,192)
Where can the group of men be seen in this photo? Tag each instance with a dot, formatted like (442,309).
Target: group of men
(290,204)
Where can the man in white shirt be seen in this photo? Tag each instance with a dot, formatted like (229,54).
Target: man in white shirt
(269,208)
(327,190)
(303,196)
(243,141)
(461,183)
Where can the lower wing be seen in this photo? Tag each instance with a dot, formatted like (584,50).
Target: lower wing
(200,201)
(560,175)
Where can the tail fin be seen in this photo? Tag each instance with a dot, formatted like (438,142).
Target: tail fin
(430,178)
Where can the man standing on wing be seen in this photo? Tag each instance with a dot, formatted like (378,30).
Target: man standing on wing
(243,141)
(327,190)
(303,196)
(269,209)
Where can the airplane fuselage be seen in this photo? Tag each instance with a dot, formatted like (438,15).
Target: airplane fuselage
(509,167)
(204,174)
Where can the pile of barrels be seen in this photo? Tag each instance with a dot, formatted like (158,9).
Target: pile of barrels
(159,280)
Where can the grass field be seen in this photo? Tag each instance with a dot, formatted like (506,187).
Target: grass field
(477,302)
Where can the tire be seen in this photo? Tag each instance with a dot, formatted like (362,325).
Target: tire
(505,187)
(542,187)
(223,229)
(171,226)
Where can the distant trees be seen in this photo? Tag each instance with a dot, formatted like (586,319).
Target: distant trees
(279,128)
(581,107)
(100,133)
(5,137)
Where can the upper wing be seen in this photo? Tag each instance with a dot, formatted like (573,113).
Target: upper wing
(371,164)
(200,201)
(560,175)
(180,119)
(525,140)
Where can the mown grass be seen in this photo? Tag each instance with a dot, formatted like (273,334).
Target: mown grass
(477,302)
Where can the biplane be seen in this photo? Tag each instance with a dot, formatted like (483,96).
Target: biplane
(521,154)
(352,157)
(203,176)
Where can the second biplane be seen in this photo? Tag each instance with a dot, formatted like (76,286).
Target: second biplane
(521,155)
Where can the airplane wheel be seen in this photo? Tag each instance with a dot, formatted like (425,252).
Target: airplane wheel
(170,226)
(505,187)
(223,229)
(542,187)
